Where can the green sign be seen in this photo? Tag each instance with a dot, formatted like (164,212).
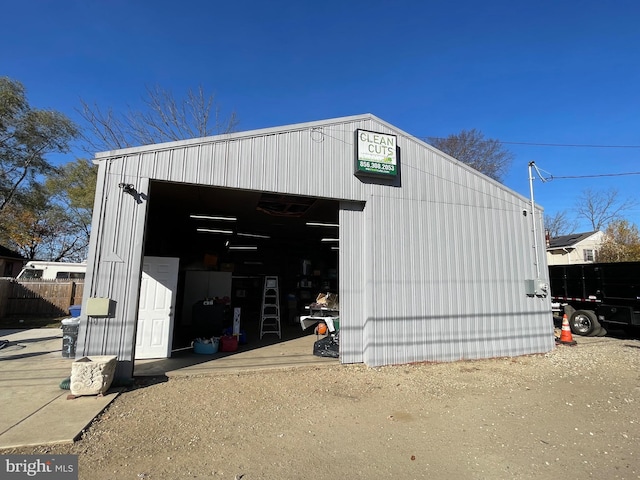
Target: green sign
(376,153)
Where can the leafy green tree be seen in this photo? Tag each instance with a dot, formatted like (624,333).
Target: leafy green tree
(621,243)
(488,156)
(27,136)
(42,229)
(25,226)
(72,188)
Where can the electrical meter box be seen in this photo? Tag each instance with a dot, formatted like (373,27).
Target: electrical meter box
(98,307)
(538,287)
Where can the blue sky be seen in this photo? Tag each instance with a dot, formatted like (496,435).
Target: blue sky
(543,72)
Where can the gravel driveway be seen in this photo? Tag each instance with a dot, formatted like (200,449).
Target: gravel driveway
(573,413)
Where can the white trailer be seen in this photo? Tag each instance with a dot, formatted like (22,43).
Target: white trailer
(36,270)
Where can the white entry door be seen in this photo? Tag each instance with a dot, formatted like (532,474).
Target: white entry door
(156,311)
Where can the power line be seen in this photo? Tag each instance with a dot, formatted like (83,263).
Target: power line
(537,144)
(550,176)
(584,145)
(553,177)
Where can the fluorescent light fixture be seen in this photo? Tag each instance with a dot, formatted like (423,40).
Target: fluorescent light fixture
(329,239)
(252,235)
(213,217)
(243,247)
(213,230)
(335,248)
(320,224)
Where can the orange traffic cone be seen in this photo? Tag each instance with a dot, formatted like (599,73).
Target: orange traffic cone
(565,336)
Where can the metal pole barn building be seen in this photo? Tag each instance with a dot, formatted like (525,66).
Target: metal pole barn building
(432,260)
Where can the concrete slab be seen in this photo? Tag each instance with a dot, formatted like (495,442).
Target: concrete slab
(296,352)
(35,409)
(58,421)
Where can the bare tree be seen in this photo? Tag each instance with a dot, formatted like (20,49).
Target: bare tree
(600,208)
(164,119)
(488,156)
(559,224)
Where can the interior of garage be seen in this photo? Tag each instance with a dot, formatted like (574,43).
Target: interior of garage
(227,241)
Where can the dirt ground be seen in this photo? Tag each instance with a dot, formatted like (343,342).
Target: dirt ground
(573,413)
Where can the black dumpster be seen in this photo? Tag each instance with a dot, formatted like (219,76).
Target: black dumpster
(70,328)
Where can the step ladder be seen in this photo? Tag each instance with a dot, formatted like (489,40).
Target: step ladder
(270,313)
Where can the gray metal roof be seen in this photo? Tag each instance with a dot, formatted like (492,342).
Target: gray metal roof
(239,135)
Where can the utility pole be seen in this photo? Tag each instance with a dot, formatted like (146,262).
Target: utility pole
(533,221)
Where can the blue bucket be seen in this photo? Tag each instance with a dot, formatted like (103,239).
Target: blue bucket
(205,348)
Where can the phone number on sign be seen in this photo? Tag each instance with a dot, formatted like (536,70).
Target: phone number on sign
(376,166)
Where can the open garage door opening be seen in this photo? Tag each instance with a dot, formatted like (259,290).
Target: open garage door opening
(227,241)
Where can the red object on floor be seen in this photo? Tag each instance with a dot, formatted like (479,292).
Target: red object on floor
(228,343)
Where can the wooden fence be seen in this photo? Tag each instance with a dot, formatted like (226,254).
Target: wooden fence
(45,298)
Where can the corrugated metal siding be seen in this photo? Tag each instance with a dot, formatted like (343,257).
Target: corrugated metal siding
(460,292)
(114,267)
(311,161)
(353,282)
(433,270)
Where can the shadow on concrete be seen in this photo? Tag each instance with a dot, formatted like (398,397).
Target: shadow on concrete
(19,356)
(294,348)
